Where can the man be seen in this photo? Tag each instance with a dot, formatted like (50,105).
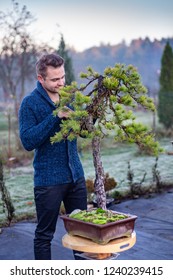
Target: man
(58,173)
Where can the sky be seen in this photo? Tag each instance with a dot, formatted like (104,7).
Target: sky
(89,23)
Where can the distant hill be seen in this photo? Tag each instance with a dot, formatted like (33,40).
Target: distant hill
(144,54)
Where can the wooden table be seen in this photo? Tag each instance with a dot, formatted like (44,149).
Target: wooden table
(98,251)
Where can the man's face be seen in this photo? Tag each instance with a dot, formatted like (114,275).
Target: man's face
(54,80)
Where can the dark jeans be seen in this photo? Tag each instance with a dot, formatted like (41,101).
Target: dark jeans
(48,201)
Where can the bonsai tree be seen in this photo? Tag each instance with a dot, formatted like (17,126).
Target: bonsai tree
(102,105)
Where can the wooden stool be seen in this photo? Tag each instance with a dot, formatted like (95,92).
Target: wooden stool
(98,251)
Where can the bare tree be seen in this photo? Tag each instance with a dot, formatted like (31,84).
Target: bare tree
(17,53)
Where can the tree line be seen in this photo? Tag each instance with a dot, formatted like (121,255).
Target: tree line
(144,54)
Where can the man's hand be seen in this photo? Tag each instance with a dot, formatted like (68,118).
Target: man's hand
(65,112)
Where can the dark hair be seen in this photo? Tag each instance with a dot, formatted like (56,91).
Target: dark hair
(46,60)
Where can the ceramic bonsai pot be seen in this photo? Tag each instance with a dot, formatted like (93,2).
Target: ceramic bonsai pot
(100,233)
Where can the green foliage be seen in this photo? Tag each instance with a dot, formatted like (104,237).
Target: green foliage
(166,76)
(98,216)
(165,107)
(68,62)
(106,108)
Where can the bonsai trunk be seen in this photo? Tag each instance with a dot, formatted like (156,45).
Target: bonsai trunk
(99,172)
